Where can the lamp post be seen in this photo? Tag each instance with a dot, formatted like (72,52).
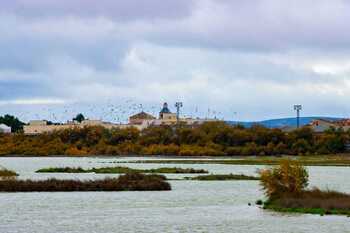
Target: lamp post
(298,108)
(178,105)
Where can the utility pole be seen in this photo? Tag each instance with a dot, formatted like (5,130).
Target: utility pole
(178,105)
(298,108)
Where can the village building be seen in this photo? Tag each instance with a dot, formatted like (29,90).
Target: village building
(5,129)
(139,118)
(42,126)
(320,125)
(139,121)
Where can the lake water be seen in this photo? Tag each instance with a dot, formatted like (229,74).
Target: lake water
(191,206)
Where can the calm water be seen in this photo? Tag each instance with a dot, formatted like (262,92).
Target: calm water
(191,206)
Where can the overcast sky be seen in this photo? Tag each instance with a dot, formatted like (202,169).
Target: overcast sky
(238,60)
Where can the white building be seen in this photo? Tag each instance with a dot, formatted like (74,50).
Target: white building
(5,129)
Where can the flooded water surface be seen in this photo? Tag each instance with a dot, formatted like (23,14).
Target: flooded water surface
(191,206)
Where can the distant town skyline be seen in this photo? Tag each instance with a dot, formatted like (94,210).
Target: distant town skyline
(243,60)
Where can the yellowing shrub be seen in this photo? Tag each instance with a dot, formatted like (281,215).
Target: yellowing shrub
(289,178)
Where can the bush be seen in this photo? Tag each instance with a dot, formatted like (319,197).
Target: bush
(191,150)
(290,177)
(259,202)
(75,151)
(155,149)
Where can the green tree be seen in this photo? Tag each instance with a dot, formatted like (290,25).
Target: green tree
(13,122)
(79,118)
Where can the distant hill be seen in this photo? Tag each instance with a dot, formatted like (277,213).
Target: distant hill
(282,122)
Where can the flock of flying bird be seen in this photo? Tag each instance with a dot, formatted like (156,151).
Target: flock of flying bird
(117,113)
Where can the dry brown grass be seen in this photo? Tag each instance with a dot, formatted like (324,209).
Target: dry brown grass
(7,174)
(316,198)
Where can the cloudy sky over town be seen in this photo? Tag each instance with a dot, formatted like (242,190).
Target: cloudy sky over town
(238,60)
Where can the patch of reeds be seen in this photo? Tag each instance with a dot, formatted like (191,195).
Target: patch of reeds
(120,170)
(213,177)
(313,200)
(127,182)
(7,174)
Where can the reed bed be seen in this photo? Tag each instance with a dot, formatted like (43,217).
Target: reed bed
(120,170)
(127,182)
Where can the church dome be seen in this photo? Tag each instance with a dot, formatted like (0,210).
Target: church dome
(165,108)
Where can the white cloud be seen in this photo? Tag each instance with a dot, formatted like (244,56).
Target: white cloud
(34,101)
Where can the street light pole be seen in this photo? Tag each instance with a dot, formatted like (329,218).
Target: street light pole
(298,108)
(178,105)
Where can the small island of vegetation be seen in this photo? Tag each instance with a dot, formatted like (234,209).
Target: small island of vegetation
(119,170)
(127,182)
(7,174)
(321,160)
(218,177)
(285,187)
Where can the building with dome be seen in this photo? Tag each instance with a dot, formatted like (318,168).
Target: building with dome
(166,115)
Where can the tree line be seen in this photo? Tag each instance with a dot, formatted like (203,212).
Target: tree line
(208,139)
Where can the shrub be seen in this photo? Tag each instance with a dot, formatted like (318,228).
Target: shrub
(233,151)
(75,151)
(192,150)
(290,178)
(259,202)
(155,149)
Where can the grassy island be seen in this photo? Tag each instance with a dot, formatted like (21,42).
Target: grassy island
(285,188)
(313,202)
(120,170)
(127,182)
(213,177)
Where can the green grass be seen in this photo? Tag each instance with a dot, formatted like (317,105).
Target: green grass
(264,160)
(120,170)
(127,182)
(213,177)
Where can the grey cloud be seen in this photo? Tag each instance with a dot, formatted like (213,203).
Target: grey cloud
(121,10)
(218,53)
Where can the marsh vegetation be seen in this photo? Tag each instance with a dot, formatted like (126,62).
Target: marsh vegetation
(285,187)
(119,170)
(217,177)
(330,160)
(7,174)
(127,182)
